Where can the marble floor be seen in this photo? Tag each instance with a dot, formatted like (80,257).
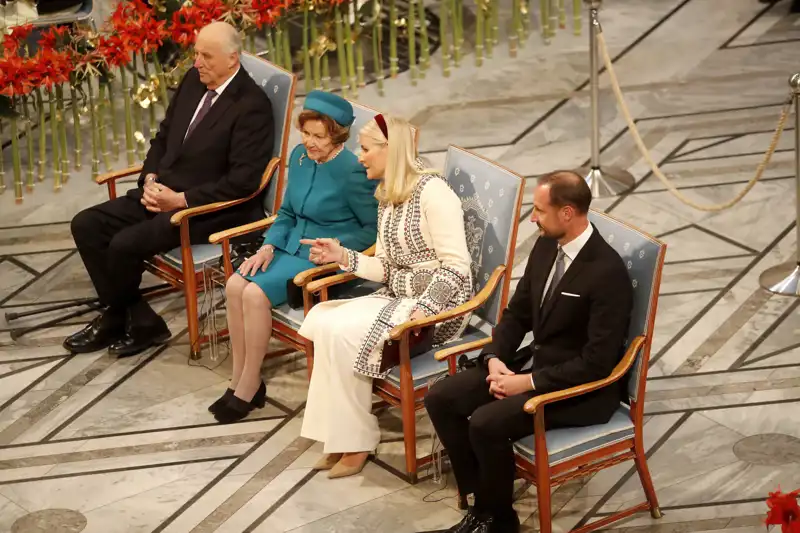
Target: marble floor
(91,443)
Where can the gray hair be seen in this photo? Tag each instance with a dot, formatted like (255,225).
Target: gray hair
(226,35)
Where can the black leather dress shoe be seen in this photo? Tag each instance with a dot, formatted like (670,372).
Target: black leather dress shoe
(139,338)
(467,524)
(101,333)
(259,399)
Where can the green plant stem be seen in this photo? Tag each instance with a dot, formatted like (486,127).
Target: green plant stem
(287,46)
(577,11)
(412,40)
(137,111)
(393,66)
(126,98)
(458,30)
(341,58)
(377,55)
(425,52)
(55,147)
(162,82)
(307,75)
(2,162)
(317,64)
(112,113)
(62,133)
(349,50)
(93,125)
(101,125)
(76,120)
(326,73)
(30,180)
(42,133)
(151,109)
(480,25)
(15,155)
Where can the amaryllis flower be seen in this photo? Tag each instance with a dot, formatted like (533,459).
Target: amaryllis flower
(54,37)
(113,51)
(54,67)
(784,511)
(16,76)
(13,40)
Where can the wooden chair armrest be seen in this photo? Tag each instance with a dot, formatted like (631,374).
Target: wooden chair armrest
(468,307)
(307,276)
(447,353)
(619,371)
(324,283)
(262,224)
(190,212)
(113,176)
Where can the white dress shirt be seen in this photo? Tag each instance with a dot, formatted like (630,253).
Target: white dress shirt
(218,90)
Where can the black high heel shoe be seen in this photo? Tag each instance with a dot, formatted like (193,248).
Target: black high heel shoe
(234,409)
(259,398)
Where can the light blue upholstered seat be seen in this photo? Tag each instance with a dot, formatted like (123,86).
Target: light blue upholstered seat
(641,254)
(489,197)
(277,83)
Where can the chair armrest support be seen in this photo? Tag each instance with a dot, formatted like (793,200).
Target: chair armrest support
(113,176)
(307,276)
(461,310)
(228,234)
(190,212)
(454,351)
(325,283)
(532,405)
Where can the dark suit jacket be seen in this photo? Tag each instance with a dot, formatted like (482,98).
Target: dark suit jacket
(225,156)
(576,339)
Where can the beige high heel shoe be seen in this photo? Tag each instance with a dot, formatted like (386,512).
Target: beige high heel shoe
(327,461)
(342,470)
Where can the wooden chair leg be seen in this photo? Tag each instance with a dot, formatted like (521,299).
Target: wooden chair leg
(409,429)
(647,482)
(310,358)
(542,468)
(190,292)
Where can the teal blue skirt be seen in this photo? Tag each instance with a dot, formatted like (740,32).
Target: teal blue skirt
(282,268)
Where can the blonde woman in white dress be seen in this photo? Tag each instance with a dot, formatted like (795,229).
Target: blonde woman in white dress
(421,257)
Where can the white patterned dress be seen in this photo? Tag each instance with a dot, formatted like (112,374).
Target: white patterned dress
(422,259)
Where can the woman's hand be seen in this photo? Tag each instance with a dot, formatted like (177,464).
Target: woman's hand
(325,251)
(260,260)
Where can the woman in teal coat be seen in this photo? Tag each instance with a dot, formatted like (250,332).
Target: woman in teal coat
(327,195)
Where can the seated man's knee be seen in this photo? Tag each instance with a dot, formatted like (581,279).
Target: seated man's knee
(485,424)
(253,296)
(235,286)
(435,400)
(84,225)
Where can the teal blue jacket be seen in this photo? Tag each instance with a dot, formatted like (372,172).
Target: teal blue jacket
(333,199)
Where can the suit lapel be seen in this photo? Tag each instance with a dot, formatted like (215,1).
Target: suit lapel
(220,107)
(578,264)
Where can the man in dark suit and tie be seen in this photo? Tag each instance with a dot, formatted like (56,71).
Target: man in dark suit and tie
(576,298)
(213,145)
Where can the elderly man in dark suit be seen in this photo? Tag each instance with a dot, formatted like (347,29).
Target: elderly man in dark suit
(576,298)
(213,145)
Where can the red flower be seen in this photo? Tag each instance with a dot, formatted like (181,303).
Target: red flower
(113,51)
(266,12)
(54,36)
(784,511)
(17,76)
(13,40)
(54,67)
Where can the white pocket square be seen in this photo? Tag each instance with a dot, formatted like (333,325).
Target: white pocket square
(570,294)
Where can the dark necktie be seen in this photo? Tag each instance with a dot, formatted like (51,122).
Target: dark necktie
(557,274)
(209,99)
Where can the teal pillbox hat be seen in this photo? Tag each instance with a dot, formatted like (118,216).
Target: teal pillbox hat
(330,105)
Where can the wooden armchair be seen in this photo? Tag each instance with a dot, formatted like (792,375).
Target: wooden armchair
(581,451)
(287,321)
(183,267)
(491,197)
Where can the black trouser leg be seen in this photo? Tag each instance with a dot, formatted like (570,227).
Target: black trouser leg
(450,403)
(493,429)
(478,431)
(114,239)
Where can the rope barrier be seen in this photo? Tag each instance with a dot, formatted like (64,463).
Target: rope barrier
(654,167)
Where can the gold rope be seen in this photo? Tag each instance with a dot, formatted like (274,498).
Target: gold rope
(654,167)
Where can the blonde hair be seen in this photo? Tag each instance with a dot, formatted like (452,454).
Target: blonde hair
(401,174)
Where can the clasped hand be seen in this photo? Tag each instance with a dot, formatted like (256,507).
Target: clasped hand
(158,198)
(503,382)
